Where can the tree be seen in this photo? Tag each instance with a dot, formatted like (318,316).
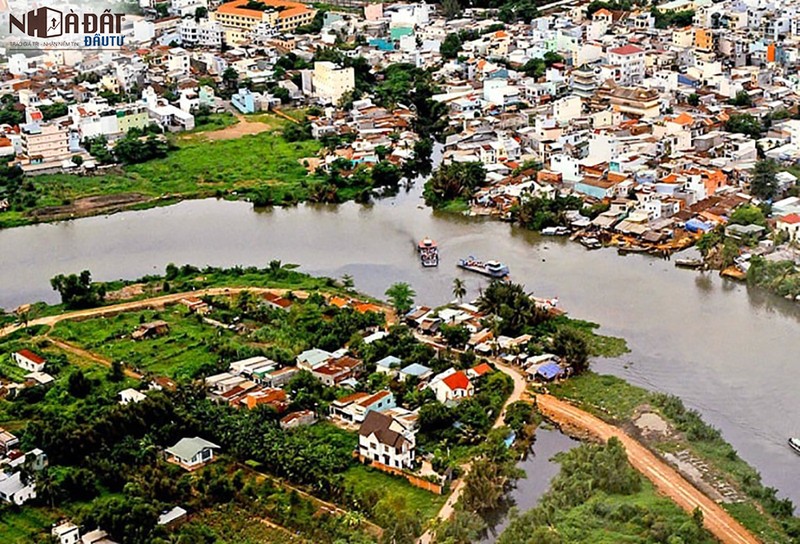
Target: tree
(230,77)
(401,295)
(347,282)
(459,289)
(744,123)
(742,100)
(456,336)
(693,99)
(77,160)
(454,181)
(748,215)
(200,12)
(78,291)
(451,46)
(450,8)
(78,384)
(764,183)
(572,345)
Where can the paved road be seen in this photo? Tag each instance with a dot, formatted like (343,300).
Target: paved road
(666,479)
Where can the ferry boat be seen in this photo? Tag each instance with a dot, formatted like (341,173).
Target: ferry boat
(493,269)
(428,252)
(555,231)
(794,443)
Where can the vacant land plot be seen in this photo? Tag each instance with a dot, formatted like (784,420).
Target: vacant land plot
(182,353)
(363,479)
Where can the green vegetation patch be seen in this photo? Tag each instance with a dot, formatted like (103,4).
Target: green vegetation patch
(598,498)
(363,480)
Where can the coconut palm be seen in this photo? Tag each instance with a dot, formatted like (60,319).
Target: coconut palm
(459,289)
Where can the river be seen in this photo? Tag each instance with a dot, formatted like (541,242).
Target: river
(728,351)
(540,468)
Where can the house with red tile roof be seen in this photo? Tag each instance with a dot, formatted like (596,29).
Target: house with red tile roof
(790,224)
(452,385)
(28,360)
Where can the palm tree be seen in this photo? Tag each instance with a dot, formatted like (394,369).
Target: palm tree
(348,283)
(459,289)
(401,295)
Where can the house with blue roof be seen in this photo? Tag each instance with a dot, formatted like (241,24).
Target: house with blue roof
(415,370)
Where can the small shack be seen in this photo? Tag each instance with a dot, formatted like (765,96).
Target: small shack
(151,330)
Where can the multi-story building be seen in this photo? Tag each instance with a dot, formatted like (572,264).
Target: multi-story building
(628,63)
(331,82)
(44,142)
(385,439)
(238,20)
(205,33)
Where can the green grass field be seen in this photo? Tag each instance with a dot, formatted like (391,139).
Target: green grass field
(180,354)
(364,479)
(24,525)
(199,168)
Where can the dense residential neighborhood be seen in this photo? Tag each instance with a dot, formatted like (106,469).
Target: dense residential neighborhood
(239,405)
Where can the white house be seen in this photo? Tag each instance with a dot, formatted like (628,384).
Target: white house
(131,396)
(191,453)
(66,533)
(386,440)
(452,385)
(13,490)
(790,224)
(28,360)
(356,407)
(388,365)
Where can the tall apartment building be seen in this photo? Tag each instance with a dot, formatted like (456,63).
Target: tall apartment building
(44,142)
(331,82)
(628,63)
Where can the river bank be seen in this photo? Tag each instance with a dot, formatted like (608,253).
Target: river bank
(645,300)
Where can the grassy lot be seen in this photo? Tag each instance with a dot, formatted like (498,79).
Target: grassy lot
(233,525)
(214,121)
(606,396)
(182,354)
(24,525)
(364,479)
(198,168)
(56,398)
(586,523)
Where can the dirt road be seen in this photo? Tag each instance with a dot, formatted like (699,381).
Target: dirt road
(458,487)
(665,478)
(80,352)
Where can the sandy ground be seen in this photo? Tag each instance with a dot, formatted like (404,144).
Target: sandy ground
(244,127)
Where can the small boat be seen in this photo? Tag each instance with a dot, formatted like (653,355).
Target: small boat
(428,253)
(555,231)
(493,269)
(689,263)
(591,243)
(624,250)
(794,443)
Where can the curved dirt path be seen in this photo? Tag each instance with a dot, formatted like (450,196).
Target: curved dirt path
(449,506)
(158,302)
(666,479)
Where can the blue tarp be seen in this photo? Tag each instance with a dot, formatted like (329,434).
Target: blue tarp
(695,225)
(549,371)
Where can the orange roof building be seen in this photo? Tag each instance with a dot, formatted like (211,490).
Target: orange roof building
(238,20)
